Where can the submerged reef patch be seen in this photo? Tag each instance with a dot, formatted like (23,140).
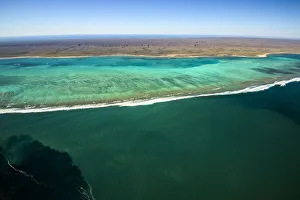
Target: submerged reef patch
(30,170)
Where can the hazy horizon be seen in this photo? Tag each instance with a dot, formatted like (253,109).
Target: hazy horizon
(267,19)
(125,36)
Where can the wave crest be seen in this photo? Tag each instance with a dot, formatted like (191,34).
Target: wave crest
(147,102)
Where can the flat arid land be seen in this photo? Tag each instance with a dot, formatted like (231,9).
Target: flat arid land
(168,47)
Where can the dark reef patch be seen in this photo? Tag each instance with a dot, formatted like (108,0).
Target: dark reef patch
(297,66)
(8,80)
(295,69)
(61,64)
(38,172)
(172,82)
(20,65)
(16,184)
(268,70)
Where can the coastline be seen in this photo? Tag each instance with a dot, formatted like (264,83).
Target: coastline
(149,56)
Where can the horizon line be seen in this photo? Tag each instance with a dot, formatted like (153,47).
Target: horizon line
(144,34)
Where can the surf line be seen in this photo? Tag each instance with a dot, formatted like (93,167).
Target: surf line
(149,101)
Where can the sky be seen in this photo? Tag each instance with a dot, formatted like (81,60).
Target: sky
(255,18)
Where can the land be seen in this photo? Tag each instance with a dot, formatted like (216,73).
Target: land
(166,47)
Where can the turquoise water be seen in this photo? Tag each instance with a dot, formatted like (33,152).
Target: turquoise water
(243,146)
(234,147)
(52,82)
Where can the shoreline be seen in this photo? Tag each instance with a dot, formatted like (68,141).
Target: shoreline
(151,56)
(249,89)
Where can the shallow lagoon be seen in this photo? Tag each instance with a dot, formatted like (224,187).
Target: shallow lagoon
(52,82)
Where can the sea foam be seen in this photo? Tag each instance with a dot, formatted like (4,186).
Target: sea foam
(149,101)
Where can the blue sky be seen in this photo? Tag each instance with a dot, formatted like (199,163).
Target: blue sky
(266,18)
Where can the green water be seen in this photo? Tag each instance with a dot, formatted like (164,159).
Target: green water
(243,146)
(44,82)
(228,147)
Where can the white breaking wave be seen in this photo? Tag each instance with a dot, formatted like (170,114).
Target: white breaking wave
(147,102)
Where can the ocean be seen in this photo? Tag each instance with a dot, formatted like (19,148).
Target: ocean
(51,83)
(238,146)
